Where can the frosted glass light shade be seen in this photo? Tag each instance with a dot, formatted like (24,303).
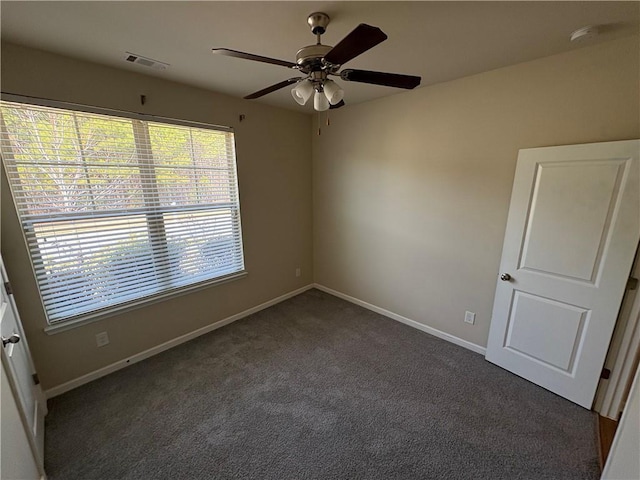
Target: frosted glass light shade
(333,92)
(302,91)
(320,102)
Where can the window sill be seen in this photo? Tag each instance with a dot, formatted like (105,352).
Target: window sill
(95,316)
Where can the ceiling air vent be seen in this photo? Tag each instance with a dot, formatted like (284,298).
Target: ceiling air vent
(144,61)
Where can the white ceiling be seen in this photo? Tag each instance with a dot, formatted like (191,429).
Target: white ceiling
(439,41)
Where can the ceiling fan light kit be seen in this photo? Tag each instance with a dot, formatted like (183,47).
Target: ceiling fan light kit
(333,92)
(318,62)
(302,91)
(320,102)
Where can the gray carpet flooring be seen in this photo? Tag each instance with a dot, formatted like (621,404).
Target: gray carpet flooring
(317,388)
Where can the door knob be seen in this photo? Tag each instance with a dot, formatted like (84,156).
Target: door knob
(15,338)
(505,277)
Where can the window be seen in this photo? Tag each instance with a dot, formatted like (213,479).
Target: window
(118,210)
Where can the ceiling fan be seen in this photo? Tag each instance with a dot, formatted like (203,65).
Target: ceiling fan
(318,62)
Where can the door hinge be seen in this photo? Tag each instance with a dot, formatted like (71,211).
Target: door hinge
(632,283)
(606,373)
(7,288)
(36,380)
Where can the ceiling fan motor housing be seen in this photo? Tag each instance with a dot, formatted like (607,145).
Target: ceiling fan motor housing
(309,58)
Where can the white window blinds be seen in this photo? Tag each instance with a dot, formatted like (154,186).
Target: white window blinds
(115,209)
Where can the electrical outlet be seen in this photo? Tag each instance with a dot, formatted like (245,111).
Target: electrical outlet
(469,317)
(102,339)
(298,272)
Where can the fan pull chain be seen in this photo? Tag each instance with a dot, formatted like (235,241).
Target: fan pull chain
(327,122)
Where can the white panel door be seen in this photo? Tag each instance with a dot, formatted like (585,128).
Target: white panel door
(16,360)
(572,232)
(16,459)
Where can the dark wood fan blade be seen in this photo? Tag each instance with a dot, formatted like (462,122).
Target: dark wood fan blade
(273,88)
(337,105)
(251,56)
(361,39)
(381,78)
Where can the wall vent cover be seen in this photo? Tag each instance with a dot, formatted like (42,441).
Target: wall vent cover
(145,61)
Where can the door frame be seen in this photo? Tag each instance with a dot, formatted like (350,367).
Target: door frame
(622,461)
(40,398)
(623,355)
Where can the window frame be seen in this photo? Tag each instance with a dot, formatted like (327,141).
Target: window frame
(109,311)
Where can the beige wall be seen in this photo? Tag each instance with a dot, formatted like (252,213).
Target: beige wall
(411,192)
(274,173)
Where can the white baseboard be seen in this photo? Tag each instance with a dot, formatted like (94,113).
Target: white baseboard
(65,387)
(70,385)
(407,321)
